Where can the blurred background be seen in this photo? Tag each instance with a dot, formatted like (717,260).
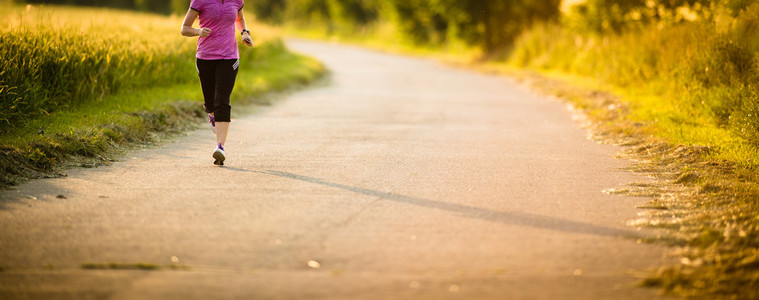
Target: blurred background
(489,25)
(162,7)
(700,54)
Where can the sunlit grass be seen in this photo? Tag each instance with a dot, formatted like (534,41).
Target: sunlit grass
(659,79)
(91,53)
(107,77)
(279,71)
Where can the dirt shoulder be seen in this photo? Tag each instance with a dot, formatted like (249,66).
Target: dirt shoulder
(706,208)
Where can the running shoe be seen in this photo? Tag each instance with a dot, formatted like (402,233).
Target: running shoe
(212,121)
(219,156)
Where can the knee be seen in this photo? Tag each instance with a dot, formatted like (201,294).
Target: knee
(223,113)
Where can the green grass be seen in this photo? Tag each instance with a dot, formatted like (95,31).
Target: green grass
(71,127)
(279,72)
(695,82)
(93,53)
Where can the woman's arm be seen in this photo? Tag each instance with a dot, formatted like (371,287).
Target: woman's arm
(187,29)
(240,22)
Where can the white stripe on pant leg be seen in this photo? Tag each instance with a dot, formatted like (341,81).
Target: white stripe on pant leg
(236,64)
(196,67)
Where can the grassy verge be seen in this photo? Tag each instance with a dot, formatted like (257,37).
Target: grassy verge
(76,128)
(703,205)
(686,104)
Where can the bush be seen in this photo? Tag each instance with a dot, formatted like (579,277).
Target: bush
(707,70)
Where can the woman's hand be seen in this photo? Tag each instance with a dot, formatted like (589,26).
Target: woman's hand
(240,23)
(247,40)
(204,32)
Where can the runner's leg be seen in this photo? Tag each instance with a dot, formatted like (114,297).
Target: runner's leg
(207,74)
(226,74)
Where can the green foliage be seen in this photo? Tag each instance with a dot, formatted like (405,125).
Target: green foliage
(39,159)
(494,24)
(491,25)
(706,70)
(180,7)
(268,11)
(421,21)
(616,15)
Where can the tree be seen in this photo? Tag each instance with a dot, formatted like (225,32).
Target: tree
(271,11)
(421,20)
(495,24)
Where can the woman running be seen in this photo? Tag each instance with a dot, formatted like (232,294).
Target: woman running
(217,59)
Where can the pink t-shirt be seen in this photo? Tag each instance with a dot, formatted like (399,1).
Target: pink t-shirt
(220,17)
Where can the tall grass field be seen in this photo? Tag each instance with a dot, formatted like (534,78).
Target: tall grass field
(57,58)
(77,81)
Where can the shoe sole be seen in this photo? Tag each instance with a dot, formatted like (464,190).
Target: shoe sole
(219,158)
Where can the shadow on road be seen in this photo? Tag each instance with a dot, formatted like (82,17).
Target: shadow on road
(513,218)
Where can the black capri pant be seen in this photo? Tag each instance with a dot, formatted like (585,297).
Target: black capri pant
(217,79)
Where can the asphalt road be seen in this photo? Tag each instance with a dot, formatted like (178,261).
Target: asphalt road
(401,179)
